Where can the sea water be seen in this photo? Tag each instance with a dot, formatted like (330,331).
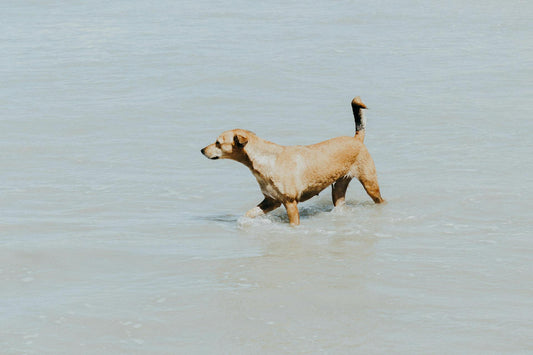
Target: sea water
(118,237)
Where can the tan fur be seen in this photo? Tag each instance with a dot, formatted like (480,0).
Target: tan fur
(291,174)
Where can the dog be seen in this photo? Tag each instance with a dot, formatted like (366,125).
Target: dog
(288,175)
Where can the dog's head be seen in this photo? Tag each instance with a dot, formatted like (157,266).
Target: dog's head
(229,145)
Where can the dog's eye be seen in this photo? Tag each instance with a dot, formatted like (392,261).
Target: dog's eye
(217,143)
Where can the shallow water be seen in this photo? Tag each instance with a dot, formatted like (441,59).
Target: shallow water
(118,236)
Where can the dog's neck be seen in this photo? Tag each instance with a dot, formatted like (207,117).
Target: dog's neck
(261,156)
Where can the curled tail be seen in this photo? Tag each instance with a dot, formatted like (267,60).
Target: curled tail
(360,120)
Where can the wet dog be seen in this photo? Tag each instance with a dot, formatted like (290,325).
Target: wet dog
(288,175)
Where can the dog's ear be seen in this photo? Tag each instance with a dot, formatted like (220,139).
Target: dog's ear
(240,141)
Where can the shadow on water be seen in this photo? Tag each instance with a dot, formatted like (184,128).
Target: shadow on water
(325,206)
(279,216)
(220,218)
(311,210)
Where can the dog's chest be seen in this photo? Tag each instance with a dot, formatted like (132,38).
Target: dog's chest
(268,187)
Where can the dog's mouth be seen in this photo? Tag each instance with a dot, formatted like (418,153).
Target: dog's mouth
(203,151)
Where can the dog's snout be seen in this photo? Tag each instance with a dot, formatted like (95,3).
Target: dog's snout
(208,154)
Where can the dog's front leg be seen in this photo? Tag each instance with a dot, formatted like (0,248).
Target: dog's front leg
(292,212)
(265,206)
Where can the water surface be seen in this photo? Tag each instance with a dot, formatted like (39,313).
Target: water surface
(118,236)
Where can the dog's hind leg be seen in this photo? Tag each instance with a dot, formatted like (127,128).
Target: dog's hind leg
(370,183)
(292,212)
(338,191)
(265,206)
(366,173)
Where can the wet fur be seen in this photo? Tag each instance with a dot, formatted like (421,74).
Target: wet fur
(291,174)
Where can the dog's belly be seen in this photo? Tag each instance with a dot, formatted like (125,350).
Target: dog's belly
(307,194)
(317,186)
(294,189)
(282,190)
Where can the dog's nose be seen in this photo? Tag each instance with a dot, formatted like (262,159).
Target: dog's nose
(203,151)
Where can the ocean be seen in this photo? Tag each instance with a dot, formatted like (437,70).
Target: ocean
(117,236)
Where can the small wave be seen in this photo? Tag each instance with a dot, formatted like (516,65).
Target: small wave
(224,218)
(243,222)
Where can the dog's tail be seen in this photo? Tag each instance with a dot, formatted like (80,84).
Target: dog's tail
(360,120)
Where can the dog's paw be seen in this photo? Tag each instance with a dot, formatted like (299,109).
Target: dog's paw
(254,212)
(246,222)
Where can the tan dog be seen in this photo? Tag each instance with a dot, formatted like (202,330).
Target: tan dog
(291,174)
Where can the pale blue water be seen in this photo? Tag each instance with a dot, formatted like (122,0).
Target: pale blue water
(117,236)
